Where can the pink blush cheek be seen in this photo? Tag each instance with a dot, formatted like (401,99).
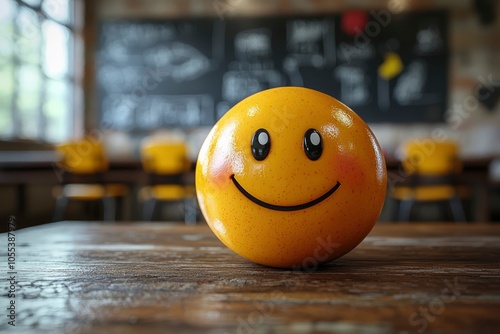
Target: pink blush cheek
(220,170)
(348,170)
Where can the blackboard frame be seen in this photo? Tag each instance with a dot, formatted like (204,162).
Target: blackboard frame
(239,55)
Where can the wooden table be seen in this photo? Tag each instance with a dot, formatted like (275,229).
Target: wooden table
(84,277)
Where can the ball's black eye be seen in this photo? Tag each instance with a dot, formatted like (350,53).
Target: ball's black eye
(261,144)
(313,144)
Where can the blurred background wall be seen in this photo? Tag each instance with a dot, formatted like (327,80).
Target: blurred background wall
(474,52)
(474,44)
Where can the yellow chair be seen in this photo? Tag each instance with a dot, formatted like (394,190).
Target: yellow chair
(167,165)
(83,163)
(432,170)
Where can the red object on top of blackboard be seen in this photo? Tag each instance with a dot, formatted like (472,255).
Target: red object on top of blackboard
(354,22)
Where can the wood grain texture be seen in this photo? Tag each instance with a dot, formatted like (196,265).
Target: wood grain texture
(82,277)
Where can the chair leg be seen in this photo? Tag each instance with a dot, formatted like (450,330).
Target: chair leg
(61,204)
(109,208)
(395,211)
(119,208)
(457,210)
(405,210)
(149,209)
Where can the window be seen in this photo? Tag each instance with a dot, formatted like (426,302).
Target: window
(37,69)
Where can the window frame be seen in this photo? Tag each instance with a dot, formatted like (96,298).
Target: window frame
(73,77)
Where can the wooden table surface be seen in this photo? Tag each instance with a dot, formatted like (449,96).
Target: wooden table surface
(91,277)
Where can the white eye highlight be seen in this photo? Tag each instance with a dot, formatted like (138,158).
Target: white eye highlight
(315,138)
(263,138)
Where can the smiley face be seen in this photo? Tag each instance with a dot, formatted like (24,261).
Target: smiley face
(287,170)
(261,145)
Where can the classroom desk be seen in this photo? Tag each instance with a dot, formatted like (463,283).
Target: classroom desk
(41,169)
(475,174)
(91,277)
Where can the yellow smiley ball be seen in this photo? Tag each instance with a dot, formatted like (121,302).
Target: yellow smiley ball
(291,177)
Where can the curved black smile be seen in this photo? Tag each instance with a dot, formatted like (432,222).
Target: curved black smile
(284,207)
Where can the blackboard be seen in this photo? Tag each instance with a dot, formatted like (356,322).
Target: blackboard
(188,72)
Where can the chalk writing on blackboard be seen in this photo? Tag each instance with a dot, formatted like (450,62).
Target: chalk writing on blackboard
(253,70)
(354,85)
(124,112)
(429,39)
(236,85)
(143,34)
(352,52)
(188,72)
(255,43)
(305,36)
(118,112)
(307,46)
(409,86)
(179,61)
(114,78)
(181,110)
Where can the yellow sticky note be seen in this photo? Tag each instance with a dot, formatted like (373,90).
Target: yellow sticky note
(391,66)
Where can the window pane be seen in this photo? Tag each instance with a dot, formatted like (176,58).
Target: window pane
(8,9)
(34,3)
(57,9)
(7,29)
(6,90)
(28,100)
(57,109)
(55,56)
(28,40)
(36,64)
